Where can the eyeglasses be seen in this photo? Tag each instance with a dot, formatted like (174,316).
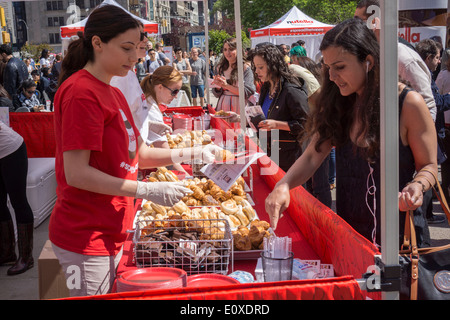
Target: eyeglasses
(172,92)
(31,92)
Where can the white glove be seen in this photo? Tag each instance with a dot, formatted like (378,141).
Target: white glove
(158,127)
(211,152)
(162,193)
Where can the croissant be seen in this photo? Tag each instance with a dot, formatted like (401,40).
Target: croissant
(198,193)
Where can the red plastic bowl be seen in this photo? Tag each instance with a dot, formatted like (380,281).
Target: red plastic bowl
(210,280)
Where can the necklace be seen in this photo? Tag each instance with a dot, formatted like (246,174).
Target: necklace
(272,93)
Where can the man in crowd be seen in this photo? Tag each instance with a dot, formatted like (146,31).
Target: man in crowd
(15,70)
(184,67)
(161,55)
(198,66)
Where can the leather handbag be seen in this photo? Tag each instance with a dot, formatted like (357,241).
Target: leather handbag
(425,272)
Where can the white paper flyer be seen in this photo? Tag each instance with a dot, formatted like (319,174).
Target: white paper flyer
(225,174)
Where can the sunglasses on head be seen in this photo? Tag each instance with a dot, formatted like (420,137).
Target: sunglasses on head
(144,34)
(172,91)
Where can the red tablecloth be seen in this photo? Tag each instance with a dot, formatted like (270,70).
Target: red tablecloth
(317,233)
(37,130)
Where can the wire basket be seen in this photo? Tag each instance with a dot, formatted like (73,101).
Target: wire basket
(196,246)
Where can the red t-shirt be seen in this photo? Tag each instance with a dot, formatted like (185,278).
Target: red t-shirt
(91,115)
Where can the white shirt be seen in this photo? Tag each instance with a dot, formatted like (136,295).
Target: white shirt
(10,140)
(412,68)
(142,111)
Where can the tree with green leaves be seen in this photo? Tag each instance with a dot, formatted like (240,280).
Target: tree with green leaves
(260,13)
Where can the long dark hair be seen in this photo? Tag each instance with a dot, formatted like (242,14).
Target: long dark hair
(223,64)
(276,65)
(335,114)
(106,22)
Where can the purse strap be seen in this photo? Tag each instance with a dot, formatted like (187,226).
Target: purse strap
(411,240)
(440,195)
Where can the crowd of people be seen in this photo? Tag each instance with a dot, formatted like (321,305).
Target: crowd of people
(26,86)
(322,112)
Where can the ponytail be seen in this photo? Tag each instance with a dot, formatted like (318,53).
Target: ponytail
(106,22)
(79,53)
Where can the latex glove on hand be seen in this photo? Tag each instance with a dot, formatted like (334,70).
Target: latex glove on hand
(211,152)
(159,128)
(162,193)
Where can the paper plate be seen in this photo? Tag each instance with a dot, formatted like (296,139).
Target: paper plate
(210,280)
(151,278)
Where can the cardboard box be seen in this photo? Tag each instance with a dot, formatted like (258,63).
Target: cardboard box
(52,282)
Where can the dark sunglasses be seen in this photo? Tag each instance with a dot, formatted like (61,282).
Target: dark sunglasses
(31,92)
(144,34)
(172,92)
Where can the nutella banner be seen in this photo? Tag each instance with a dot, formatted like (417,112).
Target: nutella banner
(417,34)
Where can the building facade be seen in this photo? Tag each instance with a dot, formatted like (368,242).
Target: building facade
(39,21)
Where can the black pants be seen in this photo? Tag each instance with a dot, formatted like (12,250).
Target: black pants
(13,182)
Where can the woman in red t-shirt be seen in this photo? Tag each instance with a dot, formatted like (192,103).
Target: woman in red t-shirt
(98,153)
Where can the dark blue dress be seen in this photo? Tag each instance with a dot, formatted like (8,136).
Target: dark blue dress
(357,192)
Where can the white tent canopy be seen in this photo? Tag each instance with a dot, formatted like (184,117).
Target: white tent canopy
(71,30)
(293,26)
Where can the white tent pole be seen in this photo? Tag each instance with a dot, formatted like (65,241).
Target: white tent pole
(240,58)
(389,136)
(206,14)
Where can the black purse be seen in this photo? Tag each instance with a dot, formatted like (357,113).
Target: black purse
(425,272)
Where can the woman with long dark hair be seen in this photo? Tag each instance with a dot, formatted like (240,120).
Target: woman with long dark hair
(99,151)
(347,116)
(284,103)
(226,79)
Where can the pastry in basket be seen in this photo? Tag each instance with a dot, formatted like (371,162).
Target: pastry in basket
(147,207)
(248,209)
(241,216)
(256,236)
(192,202)
(181,207)
(229,207)
(208,200)
(158,208)
(212,233)
(197,192)
(237,189)
(241,243)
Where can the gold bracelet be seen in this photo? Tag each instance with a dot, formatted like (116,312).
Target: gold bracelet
(419,182)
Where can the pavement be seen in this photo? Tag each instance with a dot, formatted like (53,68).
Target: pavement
(25,286)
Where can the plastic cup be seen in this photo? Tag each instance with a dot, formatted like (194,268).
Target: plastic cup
(277,269)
